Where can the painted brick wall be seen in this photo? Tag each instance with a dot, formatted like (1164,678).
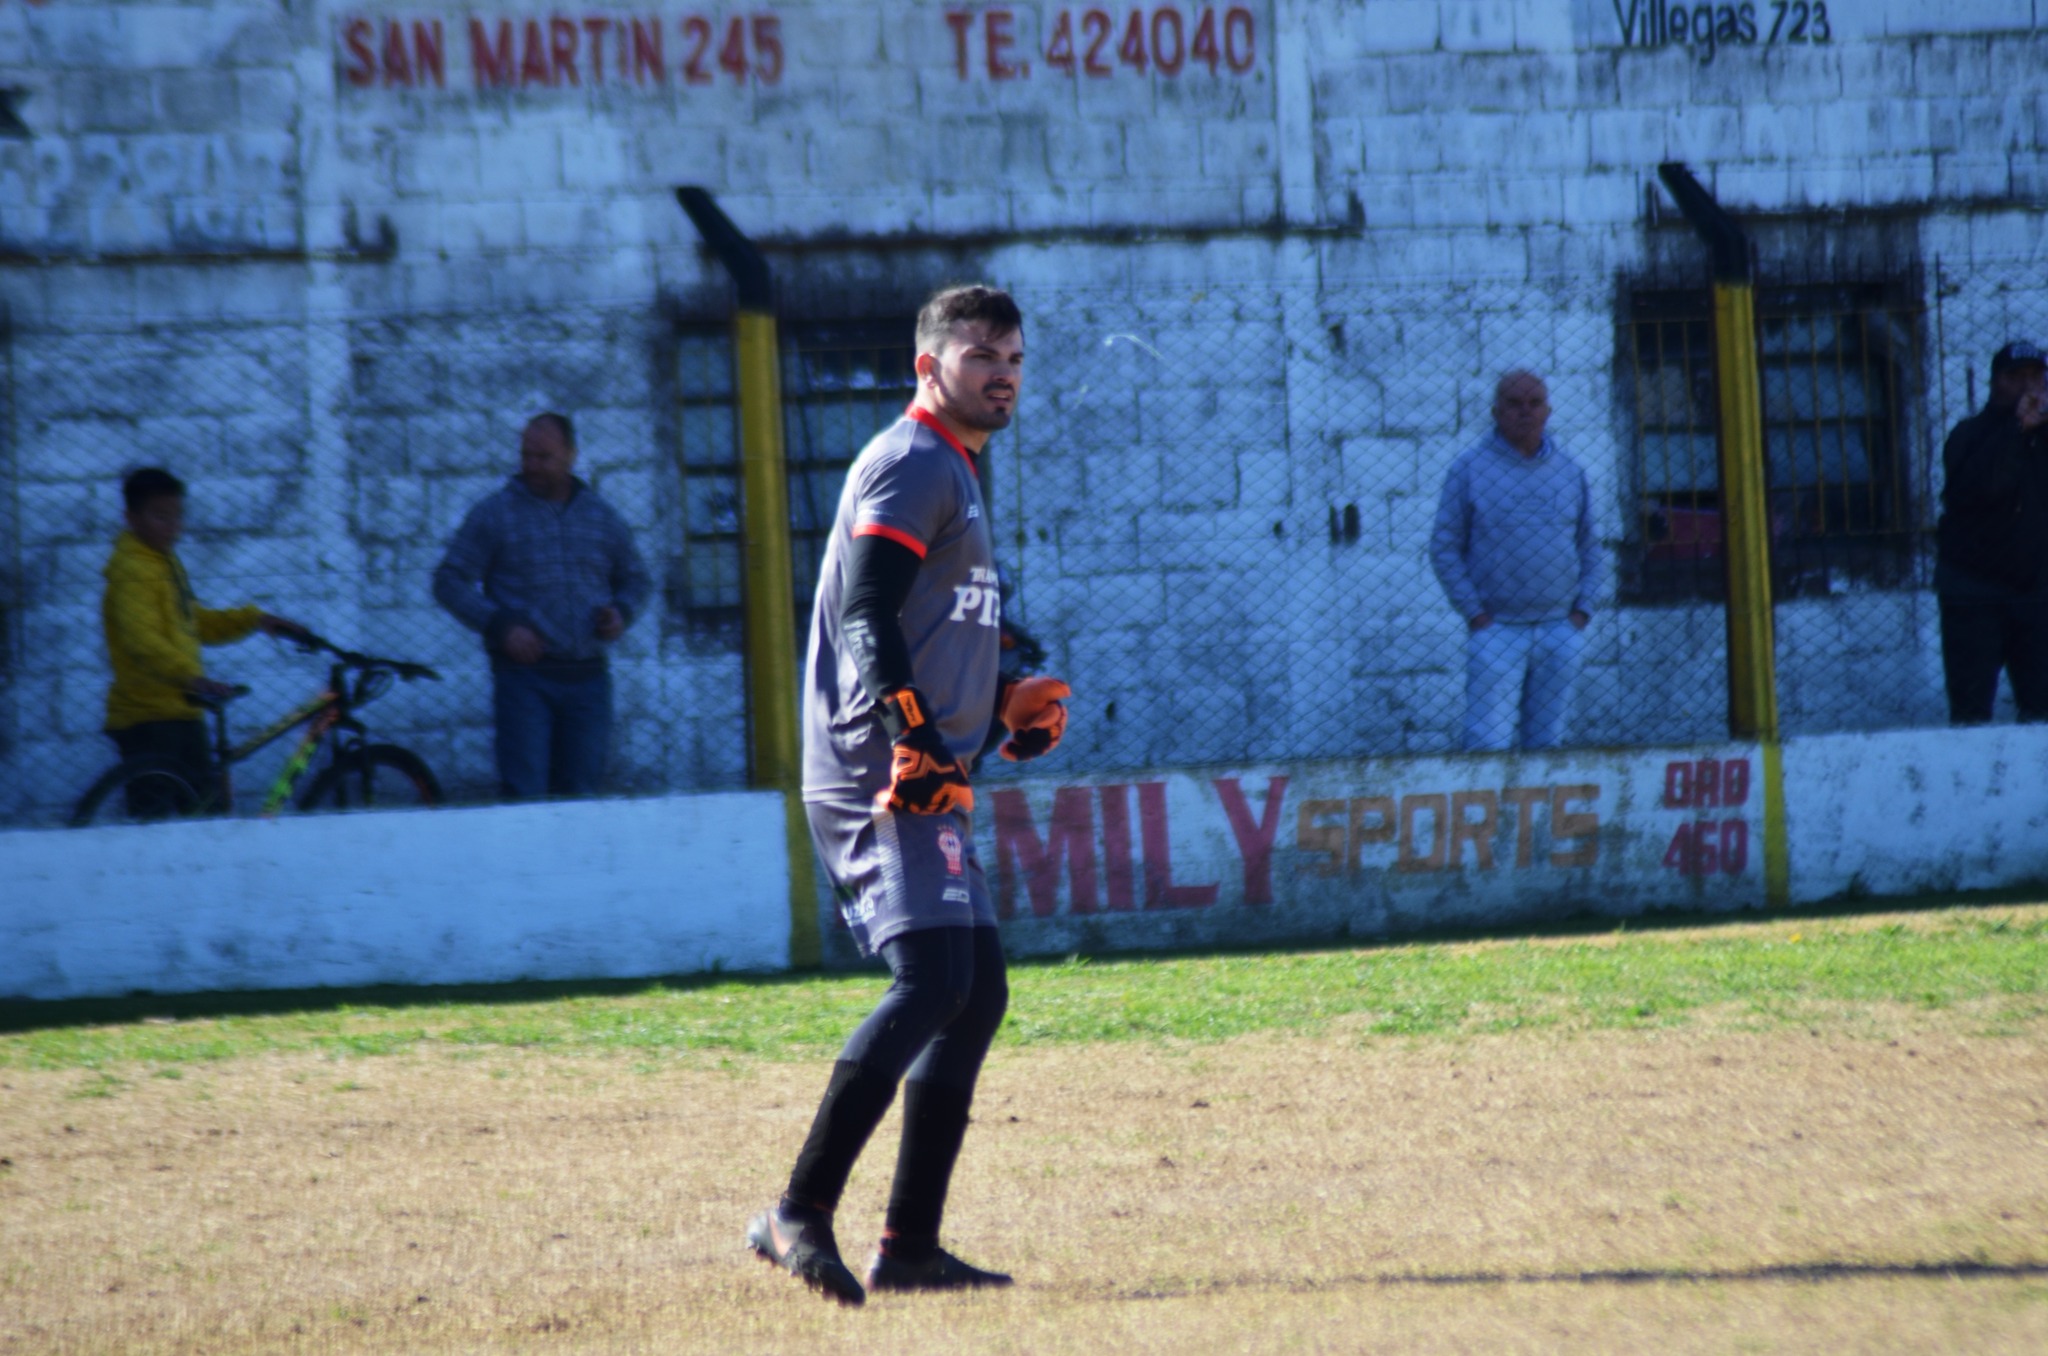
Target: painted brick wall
(1271,274)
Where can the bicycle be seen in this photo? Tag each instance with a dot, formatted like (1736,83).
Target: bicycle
(358,774)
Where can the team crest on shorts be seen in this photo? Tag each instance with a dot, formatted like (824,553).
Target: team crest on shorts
(949,843)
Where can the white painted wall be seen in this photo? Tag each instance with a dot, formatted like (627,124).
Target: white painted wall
(617,889)
(1877,815)
(1917,812)
(1313,851)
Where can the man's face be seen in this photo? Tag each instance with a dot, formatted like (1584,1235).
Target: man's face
(1521,411)
(546,460)
(2015,380)
(159,522)
(976,376)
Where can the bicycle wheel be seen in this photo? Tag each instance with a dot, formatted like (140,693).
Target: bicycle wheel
(146,790)
(377,776)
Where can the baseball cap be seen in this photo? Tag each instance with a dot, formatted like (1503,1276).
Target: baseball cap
(2016,352)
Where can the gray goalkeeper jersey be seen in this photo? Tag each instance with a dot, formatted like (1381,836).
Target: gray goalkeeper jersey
(916,486)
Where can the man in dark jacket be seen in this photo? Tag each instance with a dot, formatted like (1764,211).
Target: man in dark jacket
(548,572)
(1993,544)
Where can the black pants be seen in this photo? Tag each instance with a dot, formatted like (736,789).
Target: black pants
(950,990)
(1980,637)
(931,1031)
(181,741)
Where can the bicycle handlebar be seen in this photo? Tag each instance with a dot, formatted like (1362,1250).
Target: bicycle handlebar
(310,642)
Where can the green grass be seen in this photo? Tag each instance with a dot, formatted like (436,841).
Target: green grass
(1764,974)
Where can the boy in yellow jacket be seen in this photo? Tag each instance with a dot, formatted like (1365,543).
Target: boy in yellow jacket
(154,628)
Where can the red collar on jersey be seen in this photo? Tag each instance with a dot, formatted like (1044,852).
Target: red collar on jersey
(938,426)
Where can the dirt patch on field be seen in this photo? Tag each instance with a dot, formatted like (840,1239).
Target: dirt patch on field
(1804,1192)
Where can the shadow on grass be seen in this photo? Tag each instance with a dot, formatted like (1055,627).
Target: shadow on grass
(22,1015)
(1806,1272)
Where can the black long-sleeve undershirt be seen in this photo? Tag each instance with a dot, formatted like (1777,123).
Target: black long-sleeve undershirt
(879,573)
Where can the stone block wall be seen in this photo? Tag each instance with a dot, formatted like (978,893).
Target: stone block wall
(325,256)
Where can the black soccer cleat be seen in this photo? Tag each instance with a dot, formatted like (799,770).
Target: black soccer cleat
(940,1271)
(805,1247)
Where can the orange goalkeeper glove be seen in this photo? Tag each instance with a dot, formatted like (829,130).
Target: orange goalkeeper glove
(924,776)
(1035,712)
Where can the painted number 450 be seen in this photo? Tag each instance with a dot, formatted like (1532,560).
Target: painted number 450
(1705,846)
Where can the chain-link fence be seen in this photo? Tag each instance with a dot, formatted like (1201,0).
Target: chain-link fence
(327,464)
(1221,510)
(1235,523)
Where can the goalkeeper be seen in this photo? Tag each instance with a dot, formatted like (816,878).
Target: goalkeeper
(901,692)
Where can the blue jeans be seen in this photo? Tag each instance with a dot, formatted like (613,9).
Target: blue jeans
(1519,674)
(553,733)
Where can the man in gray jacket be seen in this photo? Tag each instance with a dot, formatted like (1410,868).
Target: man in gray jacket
(548,572)
(1515,552)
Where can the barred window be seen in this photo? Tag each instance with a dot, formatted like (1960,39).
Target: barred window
(1832,360)
(842,383)
(704,589)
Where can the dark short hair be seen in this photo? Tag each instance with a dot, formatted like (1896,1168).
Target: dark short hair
(147,483)
(990,306)
(562,424)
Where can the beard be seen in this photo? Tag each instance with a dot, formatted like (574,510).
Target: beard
(982,419)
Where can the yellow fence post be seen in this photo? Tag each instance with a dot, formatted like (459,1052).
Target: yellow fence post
(1745,517)
(774,743)
(1745,510)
